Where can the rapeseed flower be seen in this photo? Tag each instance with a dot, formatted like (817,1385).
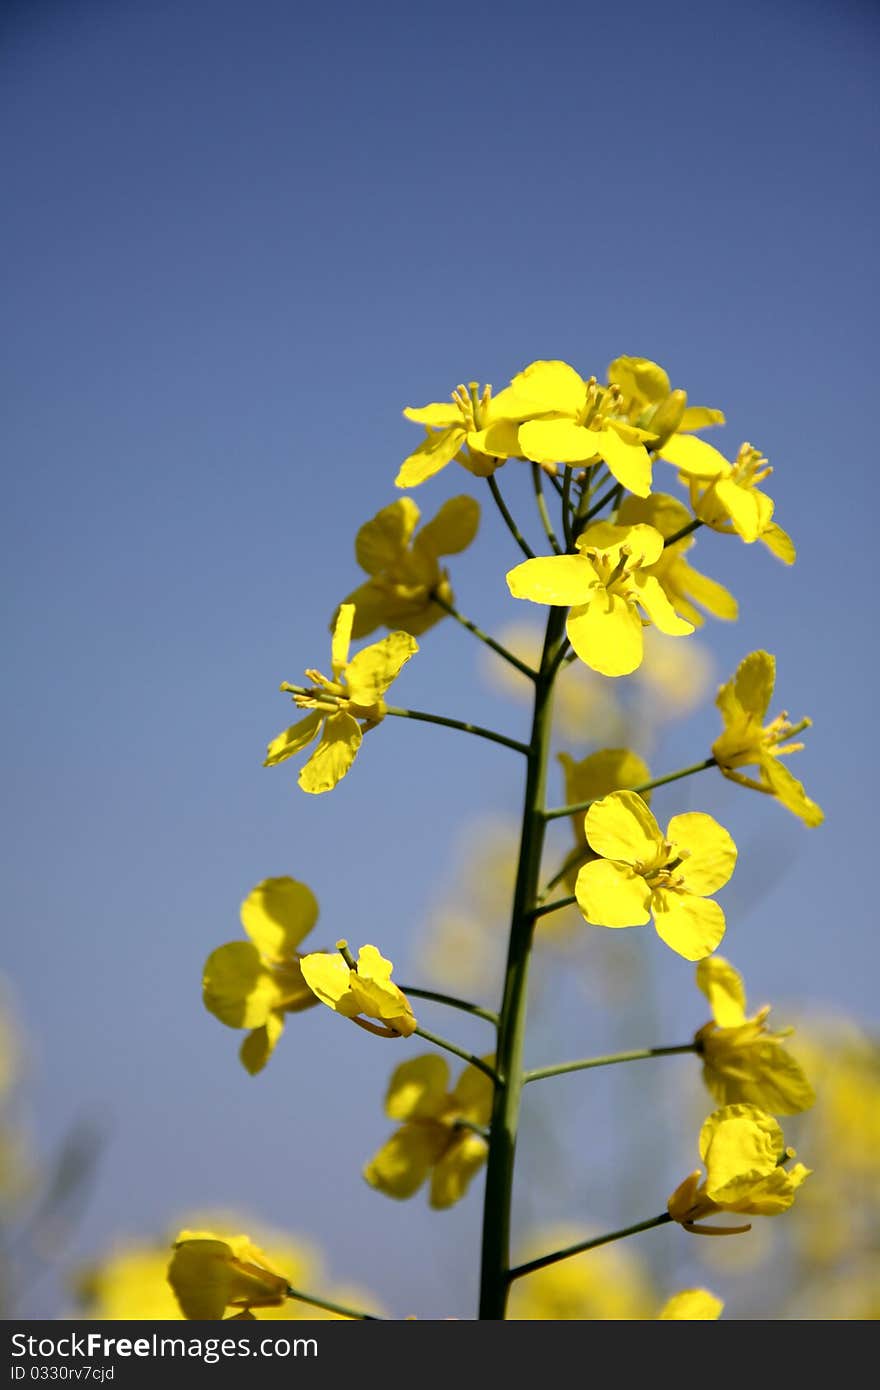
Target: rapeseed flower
(364,988)
(648,401)
(209,1275)
(476,428)
(726,496)
(686,589)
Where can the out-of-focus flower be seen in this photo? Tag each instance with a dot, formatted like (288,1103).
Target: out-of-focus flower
(210,1275)
(593,777)
(360,991)
(743,1150)
(253,984)
(674,677)
(609,1284)
(604,585)
(742,1060)
(643,872)
(343,708)
(437,1136)
(692,1305)
(404,568)
(748,742)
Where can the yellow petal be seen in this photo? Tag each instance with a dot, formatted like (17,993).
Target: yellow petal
(612,895)
(500,440)
(237,988)
(453,1172)
(708,593)
(739,1145)
(277,914)
(779,543)
(689,925)
(380,543)
(692,1305)
(788,790)
(452,529)
(259,1045)
(742,506)
(333,756)
(754,682)
(694,457)
(710,851)
(621,826)
(402,1164)
(298,736)
(558,441)
(374,606)
(609,770)
(417,1089)
(434,452)
(372,670)
(439,415)
(630,464)
(639,377)
(666,514)
(606,633)
(761,1072)
(771,1195)
(650,595)
(724,989)
(341,639)
(473,1094)
(328,976)
(700,417)
(545,387)
(209,1275)
(555,579)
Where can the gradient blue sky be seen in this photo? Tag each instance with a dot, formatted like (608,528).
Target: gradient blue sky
(238,238)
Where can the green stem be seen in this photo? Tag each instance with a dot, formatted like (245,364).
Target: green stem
(553,907)
(567,509)
(509,521)
(458,724)
(542,509)
(457,1052)
(330,1306)
(597,506)
(451,1002)
(645,787)
(587,1063)
(662,1220)
(685,531)
(484,637)
(505,1112)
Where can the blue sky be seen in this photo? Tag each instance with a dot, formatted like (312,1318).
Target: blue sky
(239,238)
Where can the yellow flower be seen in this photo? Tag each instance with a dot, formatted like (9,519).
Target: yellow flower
(435,1137)
(365,988)
(747,742)
(605,584)
(742,1060)
(684,586)
(692,1305)
(253,984)
(743,1150)
(674,677)
(477,428)
(642,872)
(726,495)
(647,400)
(344,708)
(609,770)
(209,1275)
(609,1284)
(404,570)
(570,420)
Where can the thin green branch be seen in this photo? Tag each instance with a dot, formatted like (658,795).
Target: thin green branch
(644,787)
(458,724)
(663,1219)
(597,506)
(542,509)
(509,521)
(567,509)
(553,907)
(685,531)
(484,637)
(458,1052)
(587,1063)
(452,1003)
(330,1306)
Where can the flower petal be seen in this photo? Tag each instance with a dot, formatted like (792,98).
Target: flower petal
(237,988)
(690,925)
(545,387)
(640,378)
(333,756)
(380,543)
(328,976)
(739,1144)
(609,770)
(742,505)
(473,1094)
(434,452)
(298,736)
(700,417)
(754,682)
(630,464)
(277,914)
(439,415)
(621,826)
(402,1164)
(649,593)
(724,989)
(779,543)
(417,1089)
(558,441)
(694,457)
(259,1045)
(452,529)
(372,670)
(606,633)
(612,895)
(453,1173)
(711,852)
(554,579)
(788,790)
(692,1305)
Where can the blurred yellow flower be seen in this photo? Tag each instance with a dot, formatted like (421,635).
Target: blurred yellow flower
(209,1275)
(404,568)
(743,1150)
(674,677)
(742,1060)
(364,988)
(436,1136)
(642,872)
(692,1305)
(747,742)
(609,1284)
(344,708)
(604,585)
(253,984)
(609,770)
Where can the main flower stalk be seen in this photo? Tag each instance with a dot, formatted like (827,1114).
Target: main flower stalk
(495,1266)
